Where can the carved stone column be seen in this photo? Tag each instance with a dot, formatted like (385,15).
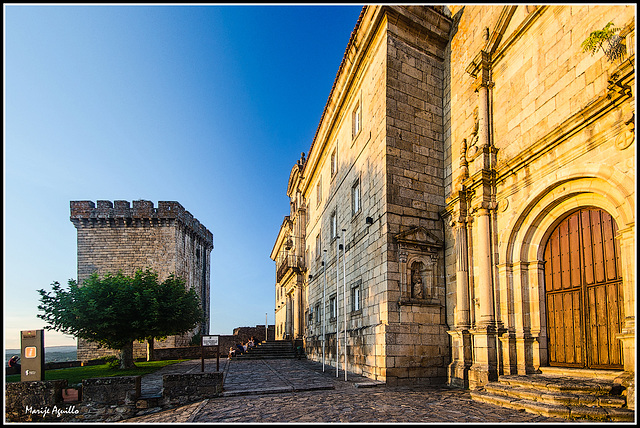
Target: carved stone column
(482,161)
(461,345)
(627,335)
(485,284)
(462,278)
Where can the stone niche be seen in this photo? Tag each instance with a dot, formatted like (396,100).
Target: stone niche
(418,256)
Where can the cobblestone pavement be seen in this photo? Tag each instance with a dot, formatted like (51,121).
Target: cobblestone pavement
(299,391)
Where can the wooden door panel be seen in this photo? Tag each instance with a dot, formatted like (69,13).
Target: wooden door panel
(565,344)
(587,252)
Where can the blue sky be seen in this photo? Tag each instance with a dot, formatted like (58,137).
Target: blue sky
(209,106)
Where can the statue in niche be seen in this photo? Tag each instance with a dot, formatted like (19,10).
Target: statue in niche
(417,288)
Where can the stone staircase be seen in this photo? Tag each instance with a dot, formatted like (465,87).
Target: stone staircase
(574,394)
(273,349)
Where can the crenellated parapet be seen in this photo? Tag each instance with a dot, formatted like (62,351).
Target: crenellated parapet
(122,213)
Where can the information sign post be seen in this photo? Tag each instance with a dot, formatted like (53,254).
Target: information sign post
(31,355)
(210,341)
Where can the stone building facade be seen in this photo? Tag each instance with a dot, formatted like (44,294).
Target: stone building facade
(470,197)
(289,255)
(117,235)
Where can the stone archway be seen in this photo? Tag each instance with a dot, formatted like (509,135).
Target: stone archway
(522,274)
(583,291)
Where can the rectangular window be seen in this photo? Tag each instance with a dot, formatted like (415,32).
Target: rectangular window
(334,161)
(318,313)
(319,191)
(355,197)
(355,298)
(332,307)
(318,245)
(334,225)
(356,120)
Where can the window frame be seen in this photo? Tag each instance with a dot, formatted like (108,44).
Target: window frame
(356,197)
(356,300)
(333,307)
(319,192)
(318,317)
(356,120)
(333,224)
(318,244)
(334,161)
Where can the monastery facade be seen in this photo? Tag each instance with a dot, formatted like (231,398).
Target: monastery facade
(467,206)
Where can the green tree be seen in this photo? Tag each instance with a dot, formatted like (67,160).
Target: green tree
(116,310)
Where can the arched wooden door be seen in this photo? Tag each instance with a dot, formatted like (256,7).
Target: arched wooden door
(583,287)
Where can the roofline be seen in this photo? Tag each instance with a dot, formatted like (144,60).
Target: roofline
(333,87)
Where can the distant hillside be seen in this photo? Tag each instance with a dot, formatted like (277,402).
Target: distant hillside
(51,353)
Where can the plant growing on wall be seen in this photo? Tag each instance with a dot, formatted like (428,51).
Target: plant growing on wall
(116,310)
(607,40)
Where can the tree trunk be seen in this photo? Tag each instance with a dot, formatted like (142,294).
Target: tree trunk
(126,357)
(150,348)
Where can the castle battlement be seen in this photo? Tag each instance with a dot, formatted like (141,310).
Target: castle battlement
(124,213)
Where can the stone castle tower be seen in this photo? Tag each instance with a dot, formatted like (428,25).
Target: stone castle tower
(168,239)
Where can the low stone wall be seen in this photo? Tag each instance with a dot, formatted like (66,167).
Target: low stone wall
(185,353)
(108,399)
(54,365)
(33,401)
(184,388)
(111,390)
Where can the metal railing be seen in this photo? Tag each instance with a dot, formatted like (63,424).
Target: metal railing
(287,262)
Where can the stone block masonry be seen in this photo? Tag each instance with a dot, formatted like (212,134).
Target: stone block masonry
(122,236)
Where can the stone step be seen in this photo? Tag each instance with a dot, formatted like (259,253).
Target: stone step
(565,399)
(610,414)
(563,384)
(559,395)
(269,350)
(581,373)
(263,357)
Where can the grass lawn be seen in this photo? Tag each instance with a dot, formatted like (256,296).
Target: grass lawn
(74,375)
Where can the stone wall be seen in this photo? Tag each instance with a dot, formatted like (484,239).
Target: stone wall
(29,401)
(180,389)
(360,162)
(243,334)
(108,399)
(417,342)
(114,236)
(396,159)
